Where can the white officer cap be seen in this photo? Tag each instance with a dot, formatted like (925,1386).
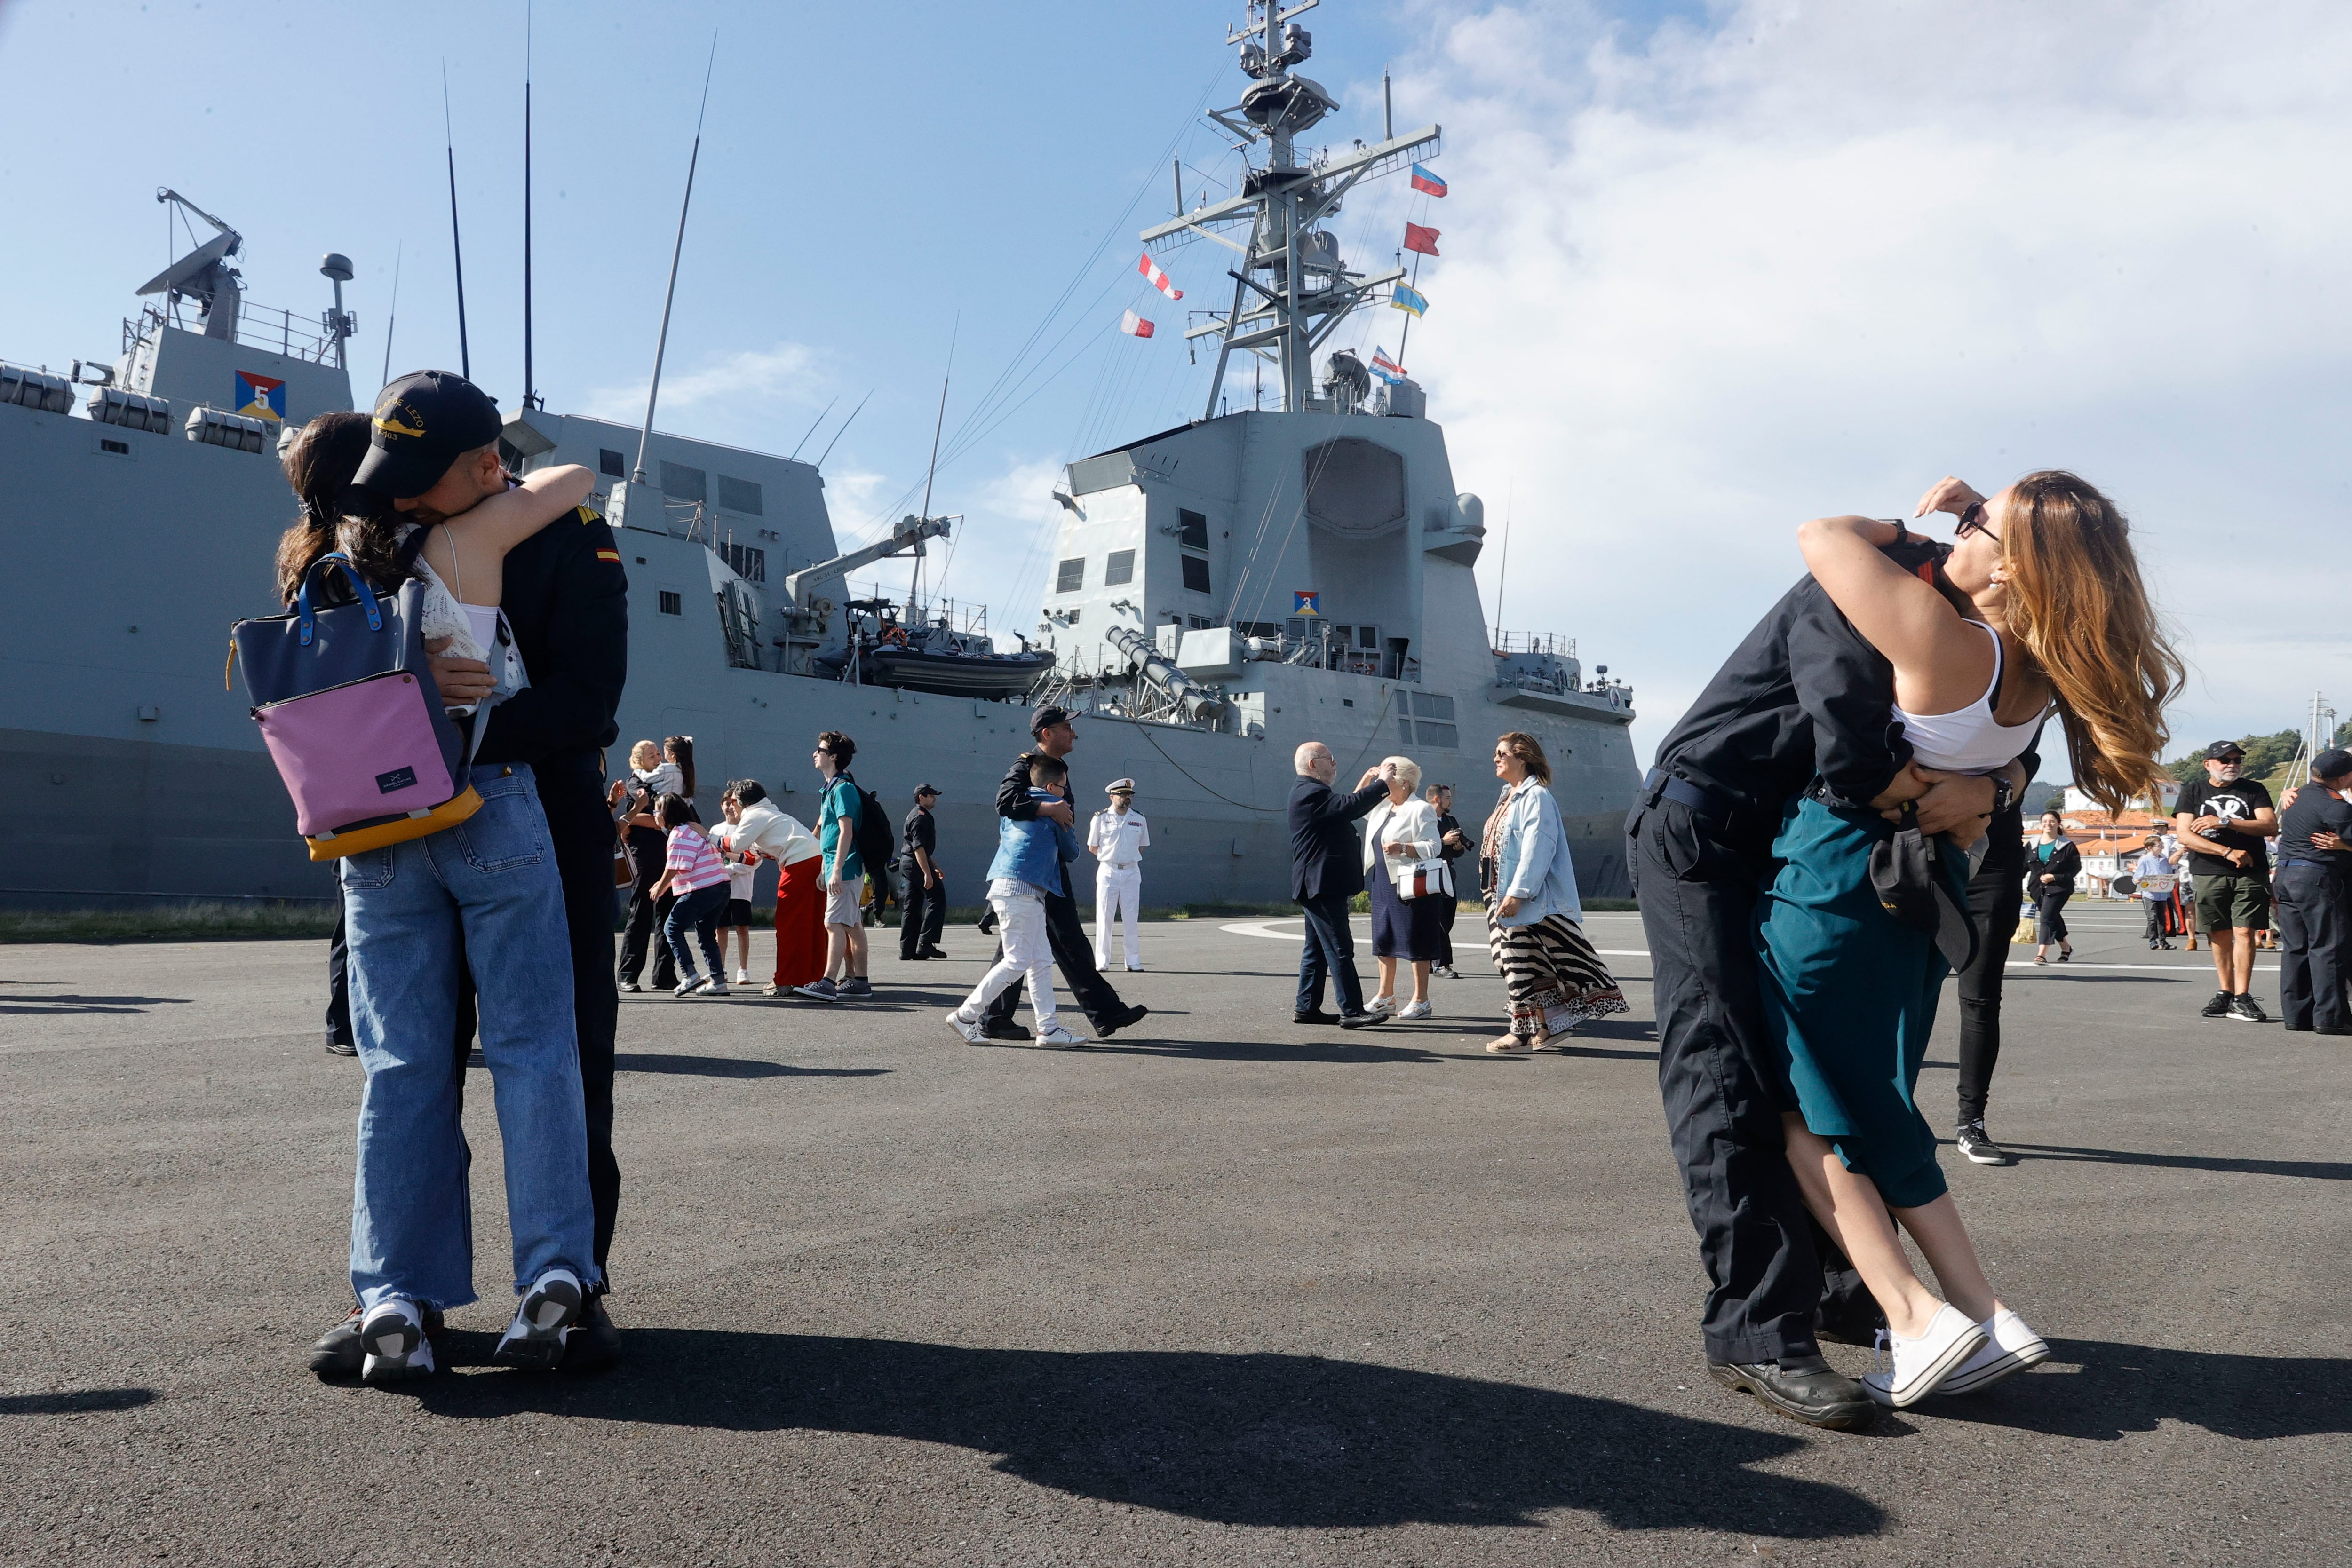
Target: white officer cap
(1120,786)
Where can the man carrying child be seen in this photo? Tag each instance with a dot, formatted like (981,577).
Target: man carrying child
(1026,872)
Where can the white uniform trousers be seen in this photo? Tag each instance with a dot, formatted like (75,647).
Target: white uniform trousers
(1118,897)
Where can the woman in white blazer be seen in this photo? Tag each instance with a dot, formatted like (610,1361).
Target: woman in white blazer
(1399,834)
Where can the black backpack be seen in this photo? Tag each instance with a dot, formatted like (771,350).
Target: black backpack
(874,839)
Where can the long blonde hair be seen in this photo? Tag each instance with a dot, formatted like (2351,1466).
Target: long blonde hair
(2076,602)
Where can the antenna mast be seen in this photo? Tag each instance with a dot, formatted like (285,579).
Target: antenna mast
(1291,290)
(529,386)
(661,343)
(391,317)
(915,581)
(456,250)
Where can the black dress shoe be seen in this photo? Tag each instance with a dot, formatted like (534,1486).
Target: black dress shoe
(1127,1020)
(931,952)
(1317,1016)
(1803,1388)
(1004,1028)
(593,1343)
(1361,1020)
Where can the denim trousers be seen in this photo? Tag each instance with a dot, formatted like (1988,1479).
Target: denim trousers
(696,913)
(1028,951)
(481,897)
(1330,950)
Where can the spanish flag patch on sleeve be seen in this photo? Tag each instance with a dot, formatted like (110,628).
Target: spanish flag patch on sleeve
(612,555)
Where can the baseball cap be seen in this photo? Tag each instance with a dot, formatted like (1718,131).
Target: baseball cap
(423,421)
(1047,717)
(2332,763)
(2224,749)
(922,789)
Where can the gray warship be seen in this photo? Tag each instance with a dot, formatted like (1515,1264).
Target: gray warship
(1217,593)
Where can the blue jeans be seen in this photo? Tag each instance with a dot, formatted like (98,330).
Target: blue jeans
(696,911)
(482,896)
(1329,948)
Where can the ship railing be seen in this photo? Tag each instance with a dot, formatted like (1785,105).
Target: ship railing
(962,616)
(1537,643)
(257,327)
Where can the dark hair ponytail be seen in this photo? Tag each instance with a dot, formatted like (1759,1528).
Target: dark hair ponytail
(679,749)
(319,464)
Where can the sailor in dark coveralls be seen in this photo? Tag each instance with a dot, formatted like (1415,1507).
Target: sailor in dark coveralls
(1803,703)
(2312,894)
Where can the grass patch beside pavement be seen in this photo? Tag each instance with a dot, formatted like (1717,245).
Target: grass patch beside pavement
(171,922)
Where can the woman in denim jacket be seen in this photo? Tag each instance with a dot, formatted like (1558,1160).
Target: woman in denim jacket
(1554,978)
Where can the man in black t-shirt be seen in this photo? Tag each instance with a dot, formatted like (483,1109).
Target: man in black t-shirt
(923,913)
(2223,820)
(2313,885)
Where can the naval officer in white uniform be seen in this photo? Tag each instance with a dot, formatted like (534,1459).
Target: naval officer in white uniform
(1118,836)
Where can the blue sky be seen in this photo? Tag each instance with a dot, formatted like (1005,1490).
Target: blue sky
(1710,269)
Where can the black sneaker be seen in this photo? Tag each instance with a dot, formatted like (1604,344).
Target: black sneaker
(1004,1028)
(2243,1009)
(342,1048)
(1980,1148)
(1133,1016)
(593,1343)
(2218,1006)
(543,1321)
(856,985)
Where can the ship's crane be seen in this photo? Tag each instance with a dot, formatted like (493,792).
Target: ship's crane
(906,536)
(203,274)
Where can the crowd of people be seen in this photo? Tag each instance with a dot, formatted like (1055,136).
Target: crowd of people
(1831,830)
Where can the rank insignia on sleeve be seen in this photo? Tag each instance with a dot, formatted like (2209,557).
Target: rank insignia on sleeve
(612,555)
(588,514)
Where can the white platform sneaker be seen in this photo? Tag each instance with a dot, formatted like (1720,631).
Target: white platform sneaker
(1908,1370)
(2010,1346)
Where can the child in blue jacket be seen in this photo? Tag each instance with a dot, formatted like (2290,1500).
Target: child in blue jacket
(1027,867)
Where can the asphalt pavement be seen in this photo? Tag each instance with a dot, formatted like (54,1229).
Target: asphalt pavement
(1224,1290)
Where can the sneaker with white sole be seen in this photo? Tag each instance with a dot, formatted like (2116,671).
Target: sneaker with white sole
(1976,1146)
(714,986)
(1416,1010)
(817,991)
(1059,1039)
(974,1031)
(548,1309)
(393,1336)
(1908,1370)
(686,986)
(2010,1346)
(856,985)
(742,975)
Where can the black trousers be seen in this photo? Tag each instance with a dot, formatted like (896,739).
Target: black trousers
(2048,922)
(339,980)
(2314,926)
(1771,1271)
(1327,950)
(1996,902)
(1448,908)
(1074,952)
(646,914)
(2155,908)
(924,914)
(572,792)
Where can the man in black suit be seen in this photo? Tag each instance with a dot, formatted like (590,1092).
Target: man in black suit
(1326,870)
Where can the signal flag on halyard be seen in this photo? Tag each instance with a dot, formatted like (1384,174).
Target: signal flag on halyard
(1150,269)
(1427,183)
(1388,370)
(1405,299)
(1417,238)
(1134,326)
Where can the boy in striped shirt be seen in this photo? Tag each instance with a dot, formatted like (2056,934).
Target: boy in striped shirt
(699,877)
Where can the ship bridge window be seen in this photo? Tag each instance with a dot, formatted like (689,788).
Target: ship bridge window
(740,496)
(611,463)
(1196,622)
(1193,529)
(1120,567)
(1072,576)
(672,603)
(681,482)
(1432,705)
(1367,636)
(1196,574)
(749,562)
(1427,732)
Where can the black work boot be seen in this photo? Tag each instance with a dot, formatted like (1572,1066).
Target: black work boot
(1801,1387)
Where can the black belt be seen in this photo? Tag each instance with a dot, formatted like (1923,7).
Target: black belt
(1659,783)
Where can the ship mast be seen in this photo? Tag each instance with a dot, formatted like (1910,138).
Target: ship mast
(1291,290)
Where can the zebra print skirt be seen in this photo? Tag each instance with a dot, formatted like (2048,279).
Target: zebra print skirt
(1554,978)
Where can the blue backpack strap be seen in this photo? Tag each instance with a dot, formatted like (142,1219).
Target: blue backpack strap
(334,561)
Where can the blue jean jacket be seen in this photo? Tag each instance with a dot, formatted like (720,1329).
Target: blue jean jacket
(1532,860)
(1033,851)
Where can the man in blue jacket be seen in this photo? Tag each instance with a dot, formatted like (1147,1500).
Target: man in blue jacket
(1325,871)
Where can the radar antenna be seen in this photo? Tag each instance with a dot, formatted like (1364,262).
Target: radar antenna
(203,275)
(1291,290)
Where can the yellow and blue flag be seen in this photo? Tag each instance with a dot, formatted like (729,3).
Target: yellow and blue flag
(1405,299)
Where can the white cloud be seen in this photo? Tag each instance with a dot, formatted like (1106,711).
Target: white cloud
(1701,285)
(744,394)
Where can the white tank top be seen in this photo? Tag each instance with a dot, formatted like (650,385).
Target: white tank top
(1970,740)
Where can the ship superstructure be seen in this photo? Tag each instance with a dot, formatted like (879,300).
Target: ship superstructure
(1219,592)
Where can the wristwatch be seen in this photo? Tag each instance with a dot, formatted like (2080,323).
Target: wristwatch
(2003,794)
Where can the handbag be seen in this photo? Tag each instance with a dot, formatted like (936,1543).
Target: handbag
(345,700)
(1425,879)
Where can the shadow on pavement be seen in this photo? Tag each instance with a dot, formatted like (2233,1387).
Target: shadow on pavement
(2124,1388)
(1355,1052)
(733,1067)
(75,1004)
(1289,1441)
(79,1402)
(2315,1170)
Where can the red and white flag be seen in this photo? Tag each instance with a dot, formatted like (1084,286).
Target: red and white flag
(1134,326)
(1150,269)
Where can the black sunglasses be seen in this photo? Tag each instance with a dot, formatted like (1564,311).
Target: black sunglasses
(1972,522)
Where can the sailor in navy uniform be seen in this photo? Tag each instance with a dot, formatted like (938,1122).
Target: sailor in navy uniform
(1118,836)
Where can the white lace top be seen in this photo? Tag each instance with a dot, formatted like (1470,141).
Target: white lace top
(472,632)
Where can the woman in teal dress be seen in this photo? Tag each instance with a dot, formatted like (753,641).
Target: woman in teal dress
(2039,606)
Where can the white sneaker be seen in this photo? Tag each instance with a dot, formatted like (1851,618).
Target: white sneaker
(686,986)
(2010,1346)
(1908,1370)
(714,986)
(393,1334)
(973,1031)
(1416,1010)
(543,1322)
(1059,1039)
(742,975)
